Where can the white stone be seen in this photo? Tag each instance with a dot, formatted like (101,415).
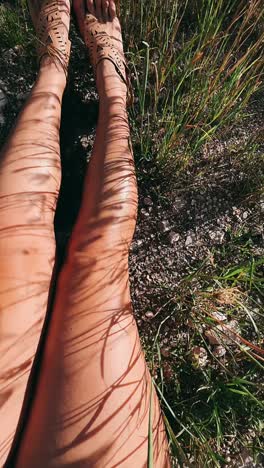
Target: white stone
(189,241)
(174,237)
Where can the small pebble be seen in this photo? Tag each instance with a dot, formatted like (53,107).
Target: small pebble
(149,315)
(145,213)
(189,241)
(84,142)
(219,316)
(219,351)
(174,237)
(147,201)
(164,225)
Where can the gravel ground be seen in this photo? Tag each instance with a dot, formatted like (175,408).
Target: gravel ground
(178,229)
(180,225)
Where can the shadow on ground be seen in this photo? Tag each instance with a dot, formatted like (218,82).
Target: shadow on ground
(77,128)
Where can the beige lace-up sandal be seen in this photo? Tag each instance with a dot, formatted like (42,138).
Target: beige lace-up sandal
(48,17)
(101,46)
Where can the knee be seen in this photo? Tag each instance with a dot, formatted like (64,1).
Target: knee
(39,208)
(94,249)
(28,208)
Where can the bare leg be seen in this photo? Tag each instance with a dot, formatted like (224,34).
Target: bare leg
(29,185)
(92,403)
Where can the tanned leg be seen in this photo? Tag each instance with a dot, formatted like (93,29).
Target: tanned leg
(92,403)
(29,186)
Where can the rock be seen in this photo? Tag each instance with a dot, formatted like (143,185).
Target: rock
(217,236)
(84,140)
(236,213)
(10,55)
(3,85)
(144,213)
(174,237)
(219,316)
(199,357)
(219,351)
(245,215)
(3,103)
(223,334)
(211,235)
(164,225)
(149,315)
(18,49)
(233,329)
(189,241)
(147,201)
(261,205)
(214,338)
(178,204)
(220,235)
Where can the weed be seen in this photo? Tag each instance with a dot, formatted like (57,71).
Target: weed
(195,67)
(14,30)
(211,406)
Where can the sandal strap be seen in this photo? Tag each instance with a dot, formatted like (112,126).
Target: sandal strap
(101,46)
(52,36)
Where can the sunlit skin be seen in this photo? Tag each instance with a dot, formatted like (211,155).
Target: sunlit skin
(93,392)
(104,10)
(30,176)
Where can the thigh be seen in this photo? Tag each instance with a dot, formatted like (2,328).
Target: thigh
(29,184)
(27,250)
(94,391)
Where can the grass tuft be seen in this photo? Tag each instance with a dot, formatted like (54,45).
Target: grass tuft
(195,67)
(13,24)
(209,383)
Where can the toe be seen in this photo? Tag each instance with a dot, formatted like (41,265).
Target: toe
(90,6)
(79,9)
(105,10)
(112,9)
(98,9)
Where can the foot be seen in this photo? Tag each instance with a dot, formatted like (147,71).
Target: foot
(103,39)
(103,10)
(51,19)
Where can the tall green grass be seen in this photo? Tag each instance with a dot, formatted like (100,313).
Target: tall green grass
(13,24)
(195,65)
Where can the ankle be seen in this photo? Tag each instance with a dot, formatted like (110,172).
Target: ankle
(51,73)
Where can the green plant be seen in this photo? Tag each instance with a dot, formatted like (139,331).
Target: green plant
(207,407)
(13,25)
(195,67)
